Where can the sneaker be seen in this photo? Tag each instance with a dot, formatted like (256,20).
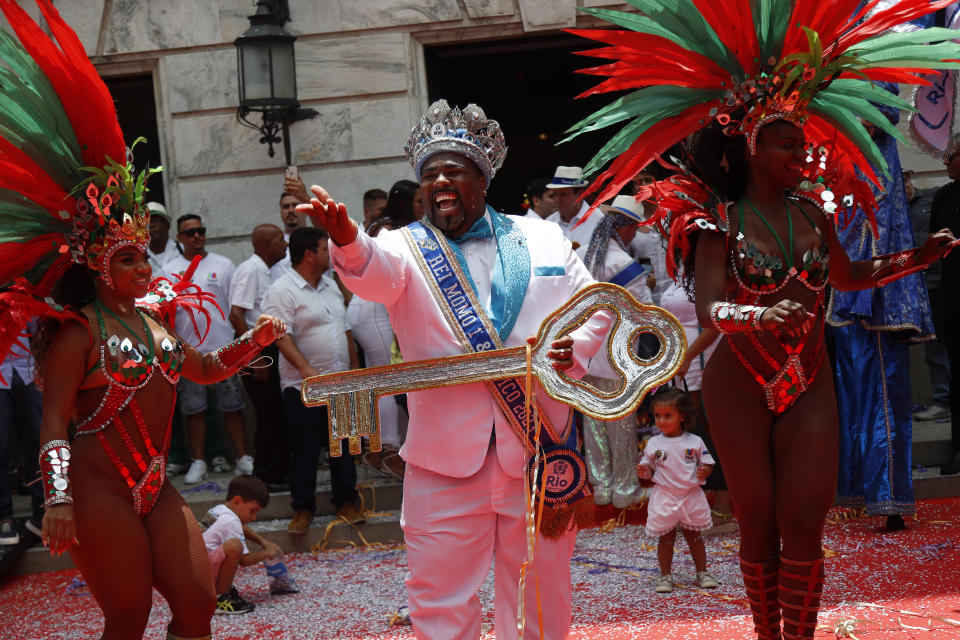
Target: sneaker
(35,524)
(8,534)
(219,465)
(706,580)
(933,412)
(231,603)
(281,586)
(300,521)
(196,473)
(176,468)
(664,584)
(244,466)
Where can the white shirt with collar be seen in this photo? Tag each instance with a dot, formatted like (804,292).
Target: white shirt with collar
(250,283)
(449,429)
(579,237)
(316,319)
(213,274)
(283,266)
(158,260)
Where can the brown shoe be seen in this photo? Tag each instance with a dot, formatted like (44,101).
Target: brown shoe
(300,522)
(351,514)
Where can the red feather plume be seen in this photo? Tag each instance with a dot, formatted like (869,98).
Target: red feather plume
(185,295)
(86,100)
(18,307)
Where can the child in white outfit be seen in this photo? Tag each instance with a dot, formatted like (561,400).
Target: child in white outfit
(679,463)
(225,536)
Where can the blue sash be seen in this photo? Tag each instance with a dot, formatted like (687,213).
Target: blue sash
(455,294)
(628,274)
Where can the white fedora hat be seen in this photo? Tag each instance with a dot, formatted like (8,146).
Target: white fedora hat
(627,205)
(567,177)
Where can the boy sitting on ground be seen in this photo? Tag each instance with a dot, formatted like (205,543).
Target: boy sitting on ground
(226,534)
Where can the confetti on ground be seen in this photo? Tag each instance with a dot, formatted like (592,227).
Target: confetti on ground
(880,586)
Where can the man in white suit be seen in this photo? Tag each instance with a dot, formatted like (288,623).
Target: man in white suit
(463,490)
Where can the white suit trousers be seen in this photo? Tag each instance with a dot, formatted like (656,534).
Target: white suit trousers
(454,527)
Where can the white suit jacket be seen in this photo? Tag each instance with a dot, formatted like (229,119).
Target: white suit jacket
(449,430)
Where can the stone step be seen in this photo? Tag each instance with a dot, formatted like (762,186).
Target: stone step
(930,484)
(932,446)
(375,496)
(325,533)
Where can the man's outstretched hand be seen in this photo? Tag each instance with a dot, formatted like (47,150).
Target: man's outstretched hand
(330,215)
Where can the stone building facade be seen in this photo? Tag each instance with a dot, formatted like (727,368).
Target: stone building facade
(360,64)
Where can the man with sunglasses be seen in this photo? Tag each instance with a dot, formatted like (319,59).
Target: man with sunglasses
(213,274)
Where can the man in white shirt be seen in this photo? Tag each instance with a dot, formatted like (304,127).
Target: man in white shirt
(542,204)
(463,502)
(213,274)
(247,289)
(162,247)
(20,409)
(568,184)
(318,341)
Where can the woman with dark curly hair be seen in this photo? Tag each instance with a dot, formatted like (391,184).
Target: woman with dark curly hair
(403,207)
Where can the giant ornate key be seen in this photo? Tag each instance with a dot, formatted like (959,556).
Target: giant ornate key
(352,395)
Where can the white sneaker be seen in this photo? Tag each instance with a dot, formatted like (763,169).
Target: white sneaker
(196,473)
(664,584)
(244,466)
(175,468)
(706,580)
(933,412)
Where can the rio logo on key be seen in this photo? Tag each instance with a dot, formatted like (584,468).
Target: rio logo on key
(559,475)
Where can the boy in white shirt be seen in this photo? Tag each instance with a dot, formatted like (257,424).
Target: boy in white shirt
(225,534)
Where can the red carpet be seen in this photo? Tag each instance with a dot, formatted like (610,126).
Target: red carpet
(895,586)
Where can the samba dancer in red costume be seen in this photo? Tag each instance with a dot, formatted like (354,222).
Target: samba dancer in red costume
(777,113)
(74,255)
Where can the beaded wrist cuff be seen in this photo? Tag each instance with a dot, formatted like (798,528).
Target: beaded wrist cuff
(729,317)
(55,472)
(902,264)
(238,353)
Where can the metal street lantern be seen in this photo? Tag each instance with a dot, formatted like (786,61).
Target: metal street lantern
(267,75)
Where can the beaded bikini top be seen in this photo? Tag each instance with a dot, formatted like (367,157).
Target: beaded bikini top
(758,273)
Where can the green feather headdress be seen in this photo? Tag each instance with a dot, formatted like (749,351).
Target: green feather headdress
(689,62)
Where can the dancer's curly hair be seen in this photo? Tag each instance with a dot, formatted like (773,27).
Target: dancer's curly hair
(720,162)
(75,290)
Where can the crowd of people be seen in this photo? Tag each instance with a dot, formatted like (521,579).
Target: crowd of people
(137,330)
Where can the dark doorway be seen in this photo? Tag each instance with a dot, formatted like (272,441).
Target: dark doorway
(137,112)
(528,85)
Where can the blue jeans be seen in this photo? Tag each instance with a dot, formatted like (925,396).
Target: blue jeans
(20,409)
(309,432)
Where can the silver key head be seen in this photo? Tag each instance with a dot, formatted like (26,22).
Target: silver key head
(637,375)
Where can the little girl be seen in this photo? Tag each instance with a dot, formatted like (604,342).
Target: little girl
(679,463)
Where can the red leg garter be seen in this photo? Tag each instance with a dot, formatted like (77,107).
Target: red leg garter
(761,583)
(801,583)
